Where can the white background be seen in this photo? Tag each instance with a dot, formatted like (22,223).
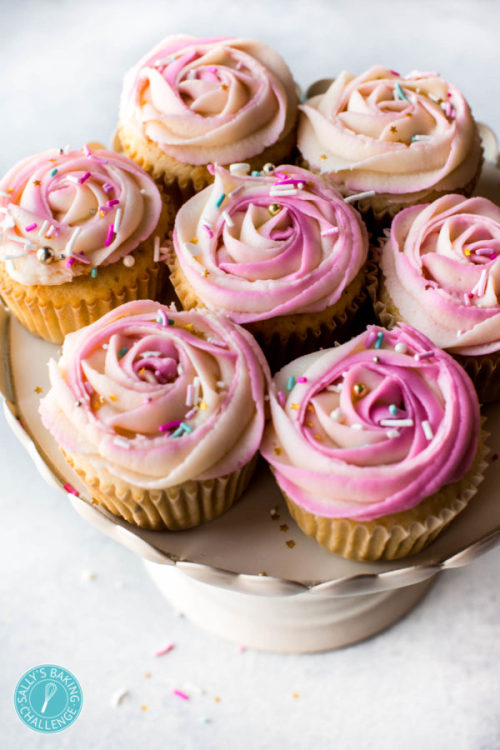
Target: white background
(432,681)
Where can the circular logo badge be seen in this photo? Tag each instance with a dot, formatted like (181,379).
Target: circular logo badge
(48,698)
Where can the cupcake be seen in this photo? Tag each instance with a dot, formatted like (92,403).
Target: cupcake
(388,141)
(191,102)
(375,443)
(440,269)
(280,252)
(81,233)
(161,413)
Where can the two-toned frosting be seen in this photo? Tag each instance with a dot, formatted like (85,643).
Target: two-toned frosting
(66,212)
(386,133)
(441,267)
(371,427)
(209,100)
(265,245)
(157,397)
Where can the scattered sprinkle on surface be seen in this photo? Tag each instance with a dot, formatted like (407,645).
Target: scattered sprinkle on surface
(290,543)
(164,649)
(118,697)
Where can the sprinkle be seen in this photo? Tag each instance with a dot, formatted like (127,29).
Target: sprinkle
(210,169)
(161,318)
(122,352)
(128,261)
(93,273)
(281,398)
(69,488)
(179,369)
(274,191)
(480,287)
(290,543)
(112,397)
(322,156)
(356,426)
(255,173)
(483,251)
(38,389)
(278,451)
(274,514)
(334,388)
(170,425)
(359,196)
(30,227)
(239,167)
(379,340)
(118,218)
(427,430)
(227,219)
(190,395)
(117,697)
(156,253)
(87,575)
(416,138)
(53,172)
(291,382)
(220,200)
(180,694)
(121,442)
(360,390)
(302,380)
(423,355)
(109,236)
(203,406)
(84,177)
(284,527)
(396,422)
(144,708)
(220,384)
(86,150)
(328,232)
(191,412)
(164,649)
(43,228)
(400,348)
(337,415)
(208,229)
(235,191)
(295,406)
(392,433)
(399,93)
(70,262)
(393,409)
(205,720)
(108,187)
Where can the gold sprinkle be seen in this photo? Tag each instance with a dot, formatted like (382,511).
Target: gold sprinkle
(144,708)
(189,327)
(38,389)
(296,695)
(147,674)
(203,406)
(143,369)
(224,87)
(309,424)
(194,240)
(102,214)
(310,407)
(290,543)
(283,527)
(277,451)
(112,397)
(217,699)
(393,129)
(318,437)
(205,273)
(263,573)
(35,182)
(323,156)
(295,406)
(467,251)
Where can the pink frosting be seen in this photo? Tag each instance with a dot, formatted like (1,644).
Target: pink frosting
(391,134)
(89,208)
(441,265)
(340,453)
(210,100)
(157,397)
(255,264)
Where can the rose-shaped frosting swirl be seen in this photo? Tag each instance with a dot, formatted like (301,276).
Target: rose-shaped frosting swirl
(210,100)
(158,397)
(371,427)
(87,208)
(441,265)
(379,131)
(264,246)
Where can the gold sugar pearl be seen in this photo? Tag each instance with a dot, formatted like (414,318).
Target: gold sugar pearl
(360,390)
(268,168)
(45,255)
(274,208)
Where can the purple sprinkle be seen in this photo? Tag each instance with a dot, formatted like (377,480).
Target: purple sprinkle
(113,202)
(30,227)
(109,236)
(107,187)
(170,425)
(208,230)
(423,355)
(84,177)
(81,258)
(281,398)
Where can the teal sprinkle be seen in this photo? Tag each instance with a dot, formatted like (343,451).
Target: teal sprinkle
(291,382)
(179,431)
(303,99)
(378,342)
(400,94)
(93,273)
(186,427)
(170,322)
(53,172)
(220,200)
(255,173)
(393,409)
(122,352)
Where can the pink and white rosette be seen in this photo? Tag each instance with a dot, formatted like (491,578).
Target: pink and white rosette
(372,427)
(156,397)
(84,209)
(210,100)
(386,133)
(259,246)
(441,266)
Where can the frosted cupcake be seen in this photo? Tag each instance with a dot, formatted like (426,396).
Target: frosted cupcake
(280,252)
(80,234)
(374,443)
(192,102)
(441,273)
(161,413)
(388,141)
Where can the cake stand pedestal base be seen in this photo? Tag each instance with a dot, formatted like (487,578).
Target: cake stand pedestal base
(301,623)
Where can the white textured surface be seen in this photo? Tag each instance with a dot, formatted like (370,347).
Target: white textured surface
(433,679)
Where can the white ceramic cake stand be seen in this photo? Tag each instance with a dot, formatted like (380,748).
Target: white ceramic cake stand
(251,576)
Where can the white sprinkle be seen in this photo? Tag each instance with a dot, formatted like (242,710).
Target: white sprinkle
(87,575)
(150,353)
(73,179)
(459,333)
(356,426)
(327,232)
(143,191)
(16,238)
(433,97)
(50,231)
(118,218)
(427,430)
(156,252)
(396,422)
(129,261)
(275,192)
(196,385)
(43,228)
(220,384)
(239,168)
(66,148)
(334,388)
(117,697)
(480,287)
(13,257)
(400,348)
(191,248)
(105,346)
(336,415)
(69,246)
(227,219)
(190,395)
(392,433)
(121,442)
(359,196)
(235,191)
(179,369)
(420,137)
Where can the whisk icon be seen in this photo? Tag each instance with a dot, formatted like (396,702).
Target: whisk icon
(50,691)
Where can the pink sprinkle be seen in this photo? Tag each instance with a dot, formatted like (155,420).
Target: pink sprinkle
(301,380)
(70,262)
(370,339)
(69,488)
(82,258)
(109,236)
(423,355)
(86,150)
(327,232)
(114,202)
(180,694)
(281,175)
(191,413)
(148,400)
(212,69)
(164,649)
(190,395)
(98,159)
(170,425)
(241,649)
(208,230)
(210,169)
(483,251)
(281,398)
(107,187)
(84,177)
(467,299)
(30,227)
(289,181)
(395,73)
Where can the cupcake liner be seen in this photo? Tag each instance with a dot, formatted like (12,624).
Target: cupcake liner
(400,534)
(184,180)
(173,508)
